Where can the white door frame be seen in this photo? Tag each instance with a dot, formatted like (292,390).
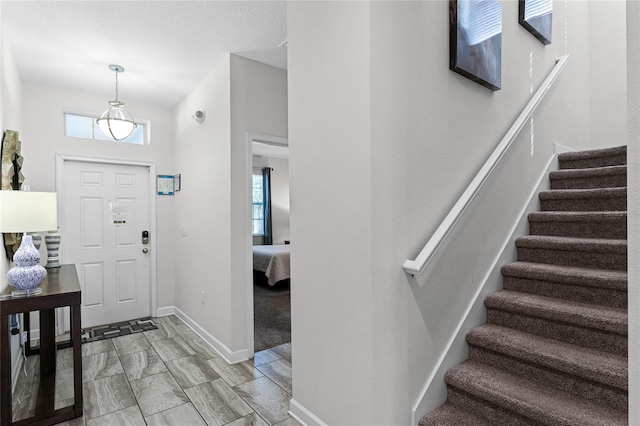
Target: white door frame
(61,159)
(271,140)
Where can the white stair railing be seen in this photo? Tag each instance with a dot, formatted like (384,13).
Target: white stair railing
(420,263)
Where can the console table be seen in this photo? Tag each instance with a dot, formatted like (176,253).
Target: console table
(59,289)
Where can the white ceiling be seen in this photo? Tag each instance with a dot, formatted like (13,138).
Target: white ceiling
(166,47)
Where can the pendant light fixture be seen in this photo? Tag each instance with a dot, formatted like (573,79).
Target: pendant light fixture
(117,122)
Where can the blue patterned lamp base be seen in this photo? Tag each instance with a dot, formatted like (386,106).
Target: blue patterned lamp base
(28,274)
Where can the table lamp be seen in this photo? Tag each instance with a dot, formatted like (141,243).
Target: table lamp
(21,212)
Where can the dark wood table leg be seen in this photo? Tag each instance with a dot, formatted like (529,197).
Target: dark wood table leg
(5,372)
(47,388)
(77,359)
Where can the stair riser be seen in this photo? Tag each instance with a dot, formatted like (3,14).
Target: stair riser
(592,295)
(614,160)
(606,181)
(448,414)
(586,388)
(613,229)
(587,337)
(584,204)
(585,259)
(498,416)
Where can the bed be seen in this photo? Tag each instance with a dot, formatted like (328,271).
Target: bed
(273,261)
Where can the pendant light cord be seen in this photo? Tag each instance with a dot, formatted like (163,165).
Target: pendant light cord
(117,84)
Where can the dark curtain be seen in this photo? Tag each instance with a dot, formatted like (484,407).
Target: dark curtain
(266,193)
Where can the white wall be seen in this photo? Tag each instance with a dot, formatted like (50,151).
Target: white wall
(330,170)
(633,205)
(240,96)
(371,82)
(202,153)
(280,199)
(608,73)
(279,195)
(43,137)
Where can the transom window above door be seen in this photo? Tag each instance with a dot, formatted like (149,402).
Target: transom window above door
(85,126)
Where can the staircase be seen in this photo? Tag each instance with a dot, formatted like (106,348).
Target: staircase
(554,348)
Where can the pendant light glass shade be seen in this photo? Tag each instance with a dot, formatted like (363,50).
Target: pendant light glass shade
(117,122)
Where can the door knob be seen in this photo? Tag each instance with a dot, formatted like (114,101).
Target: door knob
(145,250)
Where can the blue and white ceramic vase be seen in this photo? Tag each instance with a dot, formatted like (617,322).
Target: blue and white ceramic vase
(52,240)
(28,274)
(37,239)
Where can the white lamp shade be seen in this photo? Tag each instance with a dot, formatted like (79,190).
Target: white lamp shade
(22,211)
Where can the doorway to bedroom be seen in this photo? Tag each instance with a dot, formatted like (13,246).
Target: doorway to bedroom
(270,242)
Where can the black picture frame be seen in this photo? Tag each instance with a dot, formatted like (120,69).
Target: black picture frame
(177,182)
(537,17)
(475,41)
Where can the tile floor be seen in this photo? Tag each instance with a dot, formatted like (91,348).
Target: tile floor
(168,376)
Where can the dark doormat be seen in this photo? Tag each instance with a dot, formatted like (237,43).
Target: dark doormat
(123,328)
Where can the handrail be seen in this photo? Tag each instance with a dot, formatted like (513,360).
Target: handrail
(419,264)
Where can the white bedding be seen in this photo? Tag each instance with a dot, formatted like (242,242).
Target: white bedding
(274,261)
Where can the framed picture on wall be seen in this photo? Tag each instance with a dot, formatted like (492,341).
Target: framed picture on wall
(537,17)
(176,182)
(165,184)
(475,41)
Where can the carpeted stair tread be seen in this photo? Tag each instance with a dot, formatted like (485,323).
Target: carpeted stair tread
(579,224)
(578,216)
(540,403)
(570,194)
(451,415)
(568,243)
(593,158)
(588,277)
(602,318)
(590,364)
(581,173)
(593,199)
(599,177)
(572,251)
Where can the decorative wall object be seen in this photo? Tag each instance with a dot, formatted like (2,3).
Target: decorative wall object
(11,178)
(475,41)
(165,184)
(537,16)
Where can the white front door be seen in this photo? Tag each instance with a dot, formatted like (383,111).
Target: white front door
(106,209)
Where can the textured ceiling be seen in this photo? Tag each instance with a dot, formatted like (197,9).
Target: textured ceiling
(166,47)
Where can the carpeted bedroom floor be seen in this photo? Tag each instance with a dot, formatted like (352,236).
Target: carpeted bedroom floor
(272,315)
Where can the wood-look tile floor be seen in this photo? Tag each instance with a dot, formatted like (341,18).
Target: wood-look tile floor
(168,376)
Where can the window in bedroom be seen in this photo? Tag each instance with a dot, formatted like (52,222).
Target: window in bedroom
(85,126)
(257,223)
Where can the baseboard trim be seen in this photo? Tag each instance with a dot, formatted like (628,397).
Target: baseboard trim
(232,357)
(303,415)
(434,392)
(164,311)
